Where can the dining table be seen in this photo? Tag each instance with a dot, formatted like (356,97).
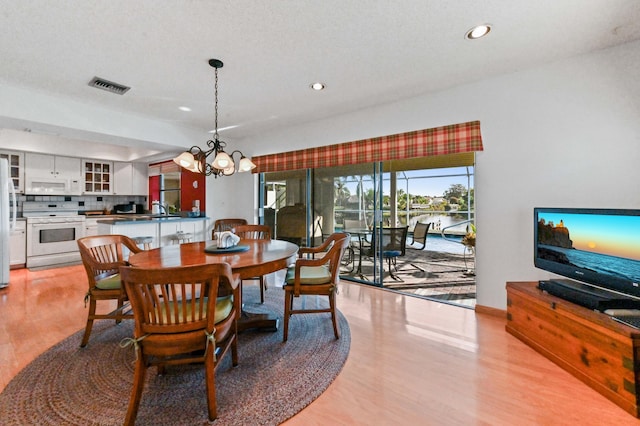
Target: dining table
(249,259)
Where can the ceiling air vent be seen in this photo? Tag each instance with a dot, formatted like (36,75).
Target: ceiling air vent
(109,86)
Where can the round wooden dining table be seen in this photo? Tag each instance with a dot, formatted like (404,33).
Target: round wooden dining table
(262,257)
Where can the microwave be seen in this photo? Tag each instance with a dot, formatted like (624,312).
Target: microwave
(51,186)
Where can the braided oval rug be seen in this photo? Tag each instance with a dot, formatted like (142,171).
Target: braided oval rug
(91,386)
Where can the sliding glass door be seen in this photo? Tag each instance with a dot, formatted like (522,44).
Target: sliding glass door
(379,204)
(346,199)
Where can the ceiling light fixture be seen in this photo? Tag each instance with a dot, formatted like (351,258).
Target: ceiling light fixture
(317,86)
(478,31)
(195,158)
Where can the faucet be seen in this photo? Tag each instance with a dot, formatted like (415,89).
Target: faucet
(162,206)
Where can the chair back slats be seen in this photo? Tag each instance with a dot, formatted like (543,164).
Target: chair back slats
(103,255)
(253,232)
(174,299)
(337,251)
(222,225)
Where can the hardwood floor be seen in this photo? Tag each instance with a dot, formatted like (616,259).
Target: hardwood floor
(412,361)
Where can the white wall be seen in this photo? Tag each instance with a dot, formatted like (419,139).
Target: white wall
(566,134)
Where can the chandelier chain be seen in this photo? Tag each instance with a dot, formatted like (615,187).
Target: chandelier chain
(215,134)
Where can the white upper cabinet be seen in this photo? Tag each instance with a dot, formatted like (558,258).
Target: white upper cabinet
(130,178)
(16,168)
(51,175)
(52,166)
(98,177)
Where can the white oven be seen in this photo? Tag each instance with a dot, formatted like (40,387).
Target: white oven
(52,231)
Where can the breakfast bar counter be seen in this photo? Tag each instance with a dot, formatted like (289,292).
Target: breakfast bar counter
(162,228)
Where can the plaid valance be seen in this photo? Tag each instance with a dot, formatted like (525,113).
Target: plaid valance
(452,139)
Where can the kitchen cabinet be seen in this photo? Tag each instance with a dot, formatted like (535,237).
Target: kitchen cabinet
(162,230)
(90,227)
(16,168)
(97,177)
(18,244)
(42,166)
(130,178)
(51,175)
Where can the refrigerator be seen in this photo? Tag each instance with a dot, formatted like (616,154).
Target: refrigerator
(6,223)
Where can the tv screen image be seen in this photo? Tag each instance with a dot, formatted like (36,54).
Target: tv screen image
(600,247)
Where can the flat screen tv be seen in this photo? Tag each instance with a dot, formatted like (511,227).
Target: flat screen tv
(599,247)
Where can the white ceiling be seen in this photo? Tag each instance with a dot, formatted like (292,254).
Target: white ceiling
(367,52)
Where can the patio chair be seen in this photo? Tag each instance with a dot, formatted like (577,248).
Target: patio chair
(420,233)
(394,243)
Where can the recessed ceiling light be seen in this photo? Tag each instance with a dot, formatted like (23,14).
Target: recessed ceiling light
(317,86)
(184,108)
(478,31)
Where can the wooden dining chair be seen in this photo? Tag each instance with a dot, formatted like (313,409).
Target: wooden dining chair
(222,225)
(316,272)
(255,232)
(102,256)
(183,315)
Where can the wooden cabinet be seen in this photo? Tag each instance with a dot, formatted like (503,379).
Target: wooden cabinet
(601,352)
(98,177)
(18,245)
(16,168)
(130,178)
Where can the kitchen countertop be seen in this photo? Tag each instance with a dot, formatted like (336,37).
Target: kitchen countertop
(123,219)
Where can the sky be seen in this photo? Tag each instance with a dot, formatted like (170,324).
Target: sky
(435,185)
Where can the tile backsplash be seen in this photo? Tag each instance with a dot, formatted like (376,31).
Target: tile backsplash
(85,202)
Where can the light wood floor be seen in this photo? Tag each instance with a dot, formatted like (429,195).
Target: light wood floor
(412,361)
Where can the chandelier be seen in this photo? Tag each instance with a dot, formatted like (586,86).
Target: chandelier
(195,158)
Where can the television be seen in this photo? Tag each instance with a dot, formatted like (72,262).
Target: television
(598,248)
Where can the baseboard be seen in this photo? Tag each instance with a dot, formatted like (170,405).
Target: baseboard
(488,310)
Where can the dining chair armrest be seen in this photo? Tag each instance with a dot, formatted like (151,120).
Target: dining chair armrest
(322,248)
(132,246)
(311,262)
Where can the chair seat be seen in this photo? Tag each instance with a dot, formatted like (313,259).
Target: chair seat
(309,275)
(391,253)
(224,306)
(111,282)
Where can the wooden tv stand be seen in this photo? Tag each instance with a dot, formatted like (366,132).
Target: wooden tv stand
(601,352)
